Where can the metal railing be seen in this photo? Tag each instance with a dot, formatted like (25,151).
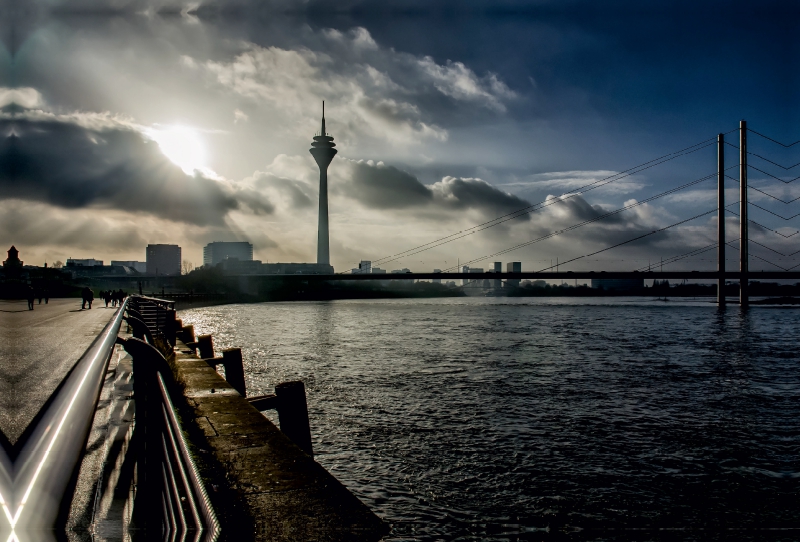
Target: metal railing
(171,498)
(157,315)
(43,470)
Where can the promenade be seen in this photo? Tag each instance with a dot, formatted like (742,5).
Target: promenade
(38,348)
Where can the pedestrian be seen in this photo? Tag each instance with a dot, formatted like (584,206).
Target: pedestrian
(31,297)
(87,296)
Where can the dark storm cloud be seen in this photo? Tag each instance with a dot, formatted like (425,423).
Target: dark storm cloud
(386,187)
(93,162)
(379,186)
(600,228)
(459,193)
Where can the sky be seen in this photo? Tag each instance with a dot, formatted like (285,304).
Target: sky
(125,123)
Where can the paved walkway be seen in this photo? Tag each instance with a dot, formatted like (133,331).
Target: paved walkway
(37,350)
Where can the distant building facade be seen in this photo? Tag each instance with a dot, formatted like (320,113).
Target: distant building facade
(297,269)
(163,260)
(498,268)
(216,252)
(86,262)
(619,285)
(513,267)
(234,266)
(141,267)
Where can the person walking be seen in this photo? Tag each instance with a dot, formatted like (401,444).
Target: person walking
(88,296)
(31,297)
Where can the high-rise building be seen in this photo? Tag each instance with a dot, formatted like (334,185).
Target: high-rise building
(498,268)
(218,251)
(437,281)
(163,260)
(323,152)
(513,267)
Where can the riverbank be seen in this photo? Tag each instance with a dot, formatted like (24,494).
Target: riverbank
(262,485)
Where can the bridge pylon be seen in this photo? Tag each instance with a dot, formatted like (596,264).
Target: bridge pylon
(743,244)
(721,218)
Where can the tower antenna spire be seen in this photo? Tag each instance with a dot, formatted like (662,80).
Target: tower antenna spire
(323,118)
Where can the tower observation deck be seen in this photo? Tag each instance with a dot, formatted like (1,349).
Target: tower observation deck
(323,151)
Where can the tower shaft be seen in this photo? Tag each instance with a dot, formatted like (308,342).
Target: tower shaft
(323,237)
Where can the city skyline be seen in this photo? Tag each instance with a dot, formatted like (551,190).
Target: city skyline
(202,134)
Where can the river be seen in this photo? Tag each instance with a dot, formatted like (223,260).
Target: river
(498,418)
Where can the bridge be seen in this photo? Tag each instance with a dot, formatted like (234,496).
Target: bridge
(92,440)
(780,260)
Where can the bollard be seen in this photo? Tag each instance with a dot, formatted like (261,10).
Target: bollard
(187,334)
(234,368)
(205,346)
(293,414)
(169,327)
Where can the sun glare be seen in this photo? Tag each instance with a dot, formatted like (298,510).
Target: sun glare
(183,146)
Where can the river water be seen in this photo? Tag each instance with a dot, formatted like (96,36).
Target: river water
(498,418)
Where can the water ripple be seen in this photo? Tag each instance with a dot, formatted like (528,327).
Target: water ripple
(494,419)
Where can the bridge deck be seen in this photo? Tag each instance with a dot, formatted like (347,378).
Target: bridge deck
(37,350)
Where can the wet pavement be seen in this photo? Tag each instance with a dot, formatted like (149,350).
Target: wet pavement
(38,348)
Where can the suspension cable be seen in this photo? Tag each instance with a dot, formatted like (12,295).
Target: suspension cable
(526,210)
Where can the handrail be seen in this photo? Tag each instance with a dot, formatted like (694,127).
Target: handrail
(47,461)
(170,494)
(154,299)
(189,475)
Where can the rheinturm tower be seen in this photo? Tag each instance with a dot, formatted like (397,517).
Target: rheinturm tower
(322,149)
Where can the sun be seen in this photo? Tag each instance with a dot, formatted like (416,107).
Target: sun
(183,146)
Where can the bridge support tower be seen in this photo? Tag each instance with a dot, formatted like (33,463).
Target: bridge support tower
(743,244)
(721,219)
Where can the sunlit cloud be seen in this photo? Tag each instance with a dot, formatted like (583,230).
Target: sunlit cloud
(183,146)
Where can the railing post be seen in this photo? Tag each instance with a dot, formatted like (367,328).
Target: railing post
(743,244)
(293,414)
(169,327)
(721,218)
(148,430)
(234,369)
